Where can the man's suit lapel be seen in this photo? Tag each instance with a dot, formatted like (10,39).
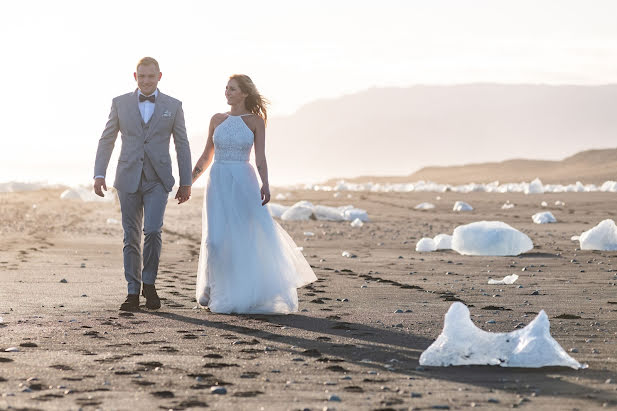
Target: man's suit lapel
(159,109)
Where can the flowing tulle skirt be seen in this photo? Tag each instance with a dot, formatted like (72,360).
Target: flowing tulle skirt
(248,263)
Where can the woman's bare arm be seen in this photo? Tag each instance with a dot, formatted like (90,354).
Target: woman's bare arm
(260,158)
(206,157)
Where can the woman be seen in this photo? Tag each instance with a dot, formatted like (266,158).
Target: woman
(247,263)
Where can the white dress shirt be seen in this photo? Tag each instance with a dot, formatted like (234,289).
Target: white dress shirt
(146,108)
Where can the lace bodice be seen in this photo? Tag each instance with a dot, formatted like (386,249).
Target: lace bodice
(233,140)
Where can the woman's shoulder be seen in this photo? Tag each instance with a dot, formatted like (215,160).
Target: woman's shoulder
(254,119)
(218,118)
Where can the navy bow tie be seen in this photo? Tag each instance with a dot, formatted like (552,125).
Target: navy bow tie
(143,98)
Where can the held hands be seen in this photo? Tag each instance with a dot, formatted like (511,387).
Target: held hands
(183,194)
(265,194)
(99,186)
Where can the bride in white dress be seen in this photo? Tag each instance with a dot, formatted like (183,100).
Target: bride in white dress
(247,262)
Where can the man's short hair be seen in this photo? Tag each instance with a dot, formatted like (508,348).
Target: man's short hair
(147,61)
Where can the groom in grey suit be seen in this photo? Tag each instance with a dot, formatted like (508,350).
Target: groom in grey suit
(146,119)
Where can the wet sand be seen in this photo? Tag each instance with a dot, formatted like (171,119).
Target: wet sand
(61,283)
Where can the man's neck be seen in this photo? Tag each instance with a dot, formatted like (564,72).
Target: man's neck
(148,95)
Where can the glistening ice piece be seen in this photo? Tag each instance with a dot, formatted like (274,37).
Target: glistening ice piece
(489,238)
(601,237)
(462,343)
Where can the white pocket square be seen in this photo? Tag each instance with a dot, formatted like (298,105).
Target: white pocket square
(167,113)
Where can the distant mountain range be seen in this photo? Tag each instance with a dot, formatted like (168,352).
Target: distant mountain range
(591,166)
(396,131)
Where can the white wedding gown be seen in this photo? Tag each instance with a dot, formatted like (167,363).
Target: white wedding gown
(247,263)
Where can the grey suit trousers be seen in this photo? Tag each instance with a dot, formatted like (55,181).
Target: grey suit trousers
(147,206)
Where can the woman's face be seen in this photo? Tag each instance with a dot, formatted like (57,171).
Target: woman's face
(233,93)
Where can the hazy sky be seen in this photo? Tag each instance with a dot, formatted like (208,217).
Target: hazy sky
(63,61)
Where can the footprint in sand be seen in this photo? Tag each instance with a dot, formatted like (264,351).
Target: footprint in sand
(242,342)
(191,403)
(220,365)
(153,342)
(115,358)
(143,383)
(88,402)
(251,351)
(151,364)
(336,368)
(189,337)
(126,372)
(48,397)
(61,367)
(247,394)
(312,352)
(163,394)
(249,374)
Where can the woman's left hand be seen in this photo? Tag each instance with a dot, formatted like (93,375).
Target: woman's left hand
(265,195)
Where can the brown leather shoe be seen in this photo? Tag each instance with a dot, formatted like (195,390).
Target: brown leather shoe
(131,303)
(153,301)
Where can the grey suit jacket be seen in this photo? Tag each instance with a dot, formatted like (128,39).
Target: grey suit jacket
(167,119)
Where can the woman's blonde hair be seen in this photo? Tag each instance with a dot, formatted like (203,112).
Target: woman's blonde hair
(255,102)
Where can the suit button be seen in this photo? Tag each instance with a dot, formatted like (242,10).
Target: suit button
(141,159)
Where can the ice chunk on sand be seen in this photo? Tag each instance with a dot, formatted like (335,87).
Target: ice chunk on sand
(601,237)
(84,194)
(544,204)
(559,203)
(609,186)
(343,213)
(507,205)
(424,206)
(462,206)
(575,238)
(489,238)
(439,242)
(443,241)
(302,210)
(328,213)
(351,213)
(282,196)
(544,218)
(535,187)
(426,244)
(357,223)
(508,279)
(462,343)
(277,210)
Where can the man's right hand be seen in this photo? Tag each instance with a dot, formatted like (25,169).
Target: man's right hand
(99,186)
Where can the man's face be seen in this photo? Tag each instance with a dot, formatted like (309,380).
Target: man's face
(147,77)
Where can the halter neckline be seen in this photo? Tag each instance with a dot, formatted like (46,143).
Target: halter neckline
(241,115)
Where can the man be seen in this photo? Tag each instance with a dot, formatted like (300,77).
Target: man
(146,119)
